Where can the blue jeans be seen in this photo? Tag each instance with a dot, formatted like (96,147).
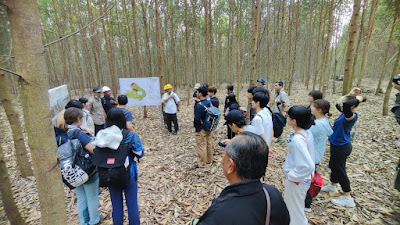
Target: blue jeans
(88,201)
(131,203)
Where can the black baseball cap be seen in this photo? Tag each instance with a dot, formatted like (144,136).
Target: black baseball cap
(97,90)
(234,116)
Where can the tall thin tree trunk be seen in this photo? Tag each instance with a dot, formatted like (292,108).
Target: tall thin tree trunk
(350,48)
(135,35)
(6,193)
(147,40)
(371,22)
(396,66)
(30,64)
(256,29)
(386,57)
(129,45)
(280,58)
(110,56)
(316,65)
(160,53)
(95,47)
(11,112)
(238,63)
(187,46)
(359,40)
(194,38)
(325,67)
(211,42)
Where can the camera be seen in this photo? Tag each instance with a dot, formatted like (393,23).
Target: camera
(222,144)
(396,80)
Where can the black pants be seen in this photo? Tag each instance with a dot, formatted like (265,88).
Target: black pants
(231,134)
(169,118)
(337,164)
(97,128)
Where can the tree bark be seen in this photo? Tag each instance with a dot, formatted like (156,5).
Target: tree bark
(11,112)
(7,196)
(254,41)
(238,61)
(371,22)
(316,65)
(95,47)
(194,38)
(129,45)
(30,63)
(325,66)
(147,39)
(350,48)
(160,53)
(135,35)
(359,40)
(386,57)
(187,75)
(389,87)
(110,56)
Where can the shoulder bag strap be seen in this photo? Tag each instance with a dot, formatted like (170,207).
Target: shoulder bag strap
(267,217)
(312,177)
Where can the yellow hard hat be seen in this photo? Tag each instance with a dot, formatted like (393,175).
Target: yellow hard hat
(168,86)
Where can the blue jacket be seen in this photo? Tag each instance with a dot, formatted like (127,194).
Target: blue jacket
(134,141)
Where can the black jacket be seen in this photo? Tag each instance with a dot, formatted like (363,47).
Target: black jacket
(245,203)
(396,108)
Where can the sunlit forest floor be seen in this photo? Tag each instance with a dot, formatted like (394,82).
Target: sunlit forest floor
(171,191)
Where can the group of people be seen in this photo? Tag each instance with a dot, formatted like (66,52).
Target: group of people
(249,144)
(247,151)
(101,122)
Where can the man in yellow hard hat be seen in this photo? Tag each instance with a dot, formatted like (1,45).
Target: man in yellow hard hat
(171,103)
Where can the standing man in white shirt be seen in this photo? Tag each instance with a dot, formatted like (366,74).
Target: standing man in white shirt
(170,102)
(263,119)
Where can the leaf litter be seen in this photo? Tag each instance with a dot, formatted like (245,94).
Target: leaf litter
(171,191)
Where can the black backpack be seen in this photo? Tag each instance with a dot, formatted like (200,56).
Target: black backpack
(110,164)
(75,162)
(279,122)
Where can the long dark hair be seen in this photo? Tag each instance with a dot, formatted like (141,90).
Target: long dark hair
(302,115)
(116,117)
(232,100)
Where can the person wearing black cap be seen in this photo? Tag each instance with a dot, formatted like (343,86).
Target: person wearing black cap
(96,110)
(237,122)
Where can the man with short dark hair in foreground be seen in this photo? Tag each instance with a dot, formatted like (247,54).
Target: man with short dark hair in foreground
(244,200)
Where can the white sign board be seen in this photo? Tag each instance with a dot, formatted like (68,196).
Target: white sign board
(58,98)
(141,91)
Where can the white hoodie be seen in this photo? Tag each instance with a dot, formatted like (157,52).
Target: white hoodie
(299,163)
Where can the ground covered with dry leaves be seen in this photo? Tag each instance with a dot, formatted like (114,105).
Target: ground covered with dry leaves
(171,191)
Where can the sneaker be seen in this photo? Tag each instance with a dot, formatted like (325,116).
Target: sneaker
(329,188)
(175,133)
(307,210)
(343,200)
(196,166)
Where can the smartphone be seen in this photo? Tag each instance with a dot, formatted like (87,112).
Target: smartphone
(396,80)
(222,144)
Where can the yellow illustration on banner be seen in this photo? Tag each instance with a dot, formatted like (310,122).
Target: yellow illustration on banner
(136,93)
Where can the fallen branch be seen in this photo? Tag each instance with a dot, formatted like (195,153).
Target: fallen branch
(75,32)
(14,73)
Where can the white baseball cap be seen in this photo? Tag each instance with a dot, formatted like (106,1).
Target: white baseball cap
(105,88)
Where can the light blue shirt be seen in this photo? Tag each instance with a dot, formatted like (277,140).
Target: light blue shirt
(321,130)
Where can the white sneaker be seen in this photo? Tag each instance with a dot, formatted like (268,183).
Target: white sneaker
(343,200)
(329,188)
(307,209)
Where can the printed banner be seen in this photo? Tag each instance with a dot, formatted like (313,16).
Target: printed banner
(141,91)
(58,98)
